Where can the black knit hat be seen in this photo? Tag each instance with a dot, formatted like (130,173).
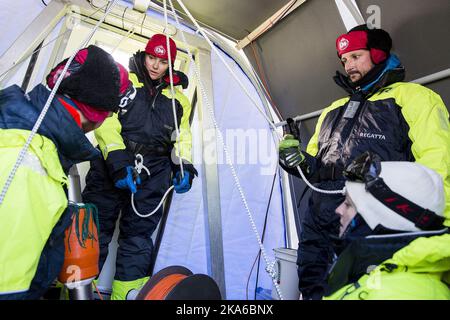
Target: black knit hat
(93,78)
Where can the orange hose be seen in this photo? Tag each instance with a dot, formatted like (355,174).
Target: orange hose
(98,292)
(163,287)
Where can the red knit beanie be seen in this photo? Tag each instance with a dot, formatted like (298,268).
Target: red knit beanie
(157,47)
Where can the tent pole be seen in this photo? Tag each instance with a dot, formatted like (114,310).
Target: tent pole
(210,183)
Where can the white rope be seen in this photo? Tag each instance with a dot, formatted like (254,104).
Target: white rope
(341,191)
(47,106)
(124,38)
(200,29)
(139,165)
(269,270)
(154,211)
(173,93)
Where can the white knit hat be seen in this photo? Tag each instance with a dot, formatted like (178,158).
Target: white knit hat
(411,180)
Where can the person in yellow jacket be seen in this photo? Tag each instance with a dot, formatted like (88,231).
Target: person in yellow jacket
(408,254)
(398,121)
(33,215)
(146,127)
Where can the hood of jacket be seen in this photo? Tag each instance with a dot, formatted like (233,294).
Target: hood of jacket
(137,66)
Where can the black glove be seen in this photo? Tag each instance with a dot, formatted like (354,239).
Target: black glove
(364,168)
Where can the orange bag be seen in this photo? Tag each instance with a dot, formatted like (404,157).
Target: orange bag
(81,245)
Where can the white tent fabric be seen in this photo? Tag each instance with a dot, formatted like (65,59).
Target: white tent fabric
(17,74)
(15,16)
(185,240)
(14,19)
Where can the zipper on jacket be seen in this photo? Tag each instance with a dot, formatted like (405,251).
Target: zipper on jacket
(158,91)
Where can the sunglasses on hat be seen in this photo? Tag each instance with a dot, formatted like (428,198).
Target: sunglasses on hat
(366,169)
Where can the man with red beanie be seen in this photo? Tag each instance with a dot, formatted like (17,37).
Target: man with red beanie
(33,214)
(147,128)
(398,121)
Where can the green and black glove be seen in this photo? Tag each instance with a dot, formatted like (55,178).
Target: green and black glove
(289,152)
(290,157)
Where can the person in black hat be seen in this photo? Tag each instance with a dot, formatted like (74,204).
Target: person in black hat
(398,121)
(147,127)
(33,212)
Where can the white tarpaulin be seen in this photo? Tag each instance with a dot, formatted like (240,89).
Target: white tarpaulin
(251,146)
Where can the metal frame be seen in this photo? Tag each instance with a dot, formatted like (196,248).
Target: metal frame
(211,194)
(34,34)
(350,14)
(269,23)
(423,81)
(57,53)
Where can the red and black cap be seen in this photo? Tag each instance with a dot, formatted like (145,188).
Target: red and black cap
(377,41)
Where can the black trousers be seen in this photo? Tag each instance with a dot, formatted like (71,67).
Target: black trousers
(134,254)
(319,226)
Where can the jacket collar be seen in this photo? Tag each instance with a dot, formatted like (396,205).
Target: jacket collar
(137,66)
(391,73)
(58,125)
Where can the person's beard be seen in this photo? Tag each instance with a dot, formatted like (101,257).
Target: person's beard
(370,76)
(354,73)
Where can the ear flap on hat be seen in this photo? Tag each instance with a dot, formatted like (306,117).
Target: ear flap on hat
(410,180)
(379,43)
(378,55)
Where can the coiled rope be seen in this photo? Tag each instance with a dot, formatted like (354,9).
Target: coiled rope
(139,165)
(164,287)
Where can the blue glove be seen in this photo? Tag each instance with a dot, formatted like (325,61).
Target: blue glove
(182,185)
(129,181)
